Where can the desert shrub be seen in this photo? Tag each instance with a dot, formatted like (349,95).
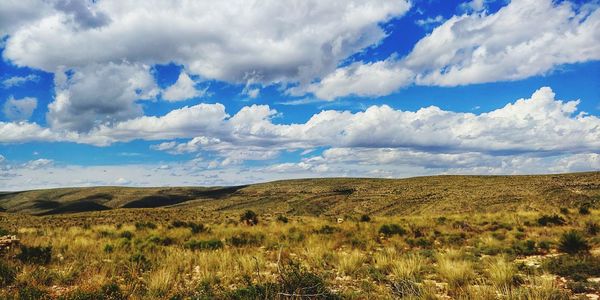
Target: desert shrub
(580,287)
(524,247)
(546,220)
(295,282)
(246,239)
(282,219)
(110,291)
(108,248)
(254,291)
(406,288)
(592,228)
(391,229)
(420,242)
(4,232)
(564,211)
(249,218)
(575,267)
(28,292)
(584,209)
(501,236)
(126,235)
(159,240)
(441,220)
(295,235)
(455,238)
(326,229)
(204,245)
(140,260)
(35,255)
(194,227)
(573,242)
(545,245)
(144,225)
(7,274)
(497,226)
(365,218)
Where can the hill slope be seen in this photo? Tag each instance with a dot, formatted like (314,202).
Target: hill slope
(435,194)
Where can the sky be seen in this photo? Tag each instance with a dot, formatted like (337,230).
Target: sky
(182,93)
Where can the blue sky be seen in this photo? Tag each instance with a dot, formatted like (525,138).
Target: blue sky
(167,93)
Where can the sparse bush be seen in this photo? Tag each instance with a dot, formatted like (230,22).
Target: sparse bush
(564,211)
(194,227)
(159,240)
(28,292)
(365,218)
(204,245)
(584,209)
(109,291)
(145,225)
(4,232)
(391,229)
(406,288)
(295,282)
(126,235)
(573,242)
(7,274)
(249,218)
(546,220)
(592,228)
(524,247)
(35,255)
(282,219)
(326,229)
(108,248)
(140,259)
(575,267)
(246,239)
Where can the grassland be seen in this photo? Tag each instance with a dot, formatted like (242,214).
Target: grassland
(525,237)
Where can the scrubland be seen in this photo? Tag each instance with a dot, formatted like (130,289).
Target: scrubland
(525,254)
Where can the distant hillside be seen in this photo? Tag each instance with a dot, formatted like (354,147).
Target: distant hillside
(434,194)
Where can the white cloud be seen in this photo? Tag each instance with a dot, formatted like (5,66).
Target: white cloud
(366,80)
(428,22)
(39,163)
(19,109)
(99,94)
(183,89)
(523,39)
(19,80)
(234,41)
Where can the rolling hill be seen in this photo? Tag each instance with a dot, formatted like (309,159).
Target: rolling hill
(331,196)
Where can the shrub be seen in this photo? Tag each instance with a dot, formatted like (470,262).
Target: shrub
(144,225)
(584,209)
(296,282)
(592,228)
(159,240)
(249,218)
(204,245)
(406,288)
(564,211)
(140,259)
(35,255)
(4,232)
(246,239)
(575,267)
(254,291)
(282,219)
(326,229)
(365,218)
(126,235)
(573,242)
(109,291)
(194,227)
(524,247)
(7,274)
(28,292)
(546,220)
(108,248)
(421,242)
(391,229)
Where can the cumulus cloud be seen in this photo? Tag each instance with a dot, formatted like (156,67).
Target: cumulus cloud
(19,109)
(523,39)
(99,94)
(19,80)
(183,89)
(39,163)
(239,41)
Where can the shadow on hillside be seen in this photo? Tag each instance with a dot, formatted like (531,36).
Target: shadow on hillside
(166,199)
